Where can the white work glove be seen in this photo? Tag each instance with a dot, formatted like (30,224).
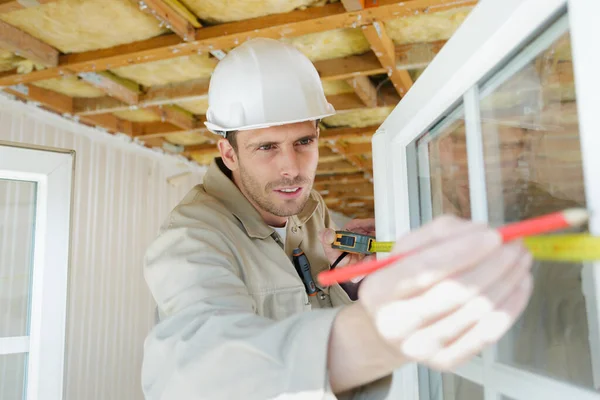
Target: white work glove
(461,292)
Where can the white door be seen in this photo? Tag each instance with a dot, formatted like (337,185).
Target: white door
(35,203)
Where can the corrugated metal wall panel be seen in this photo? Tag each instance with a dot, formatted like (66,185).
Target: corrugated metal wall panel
(121,198)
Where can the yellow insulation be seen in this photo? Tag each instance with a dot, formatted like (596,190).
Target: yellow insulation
(169,71)
(71,86)
(10,61)
(235,10)
(330,44)
(140,115)
(336,87)
(189,138)
(195,106)
(82,25)
(359,118)
(426,27)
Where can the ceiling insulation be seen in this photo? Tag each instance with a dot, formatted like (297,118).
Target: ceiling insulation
(74,26)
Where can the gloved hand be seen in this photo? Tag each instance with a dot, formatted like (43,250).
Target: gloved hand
(461,291)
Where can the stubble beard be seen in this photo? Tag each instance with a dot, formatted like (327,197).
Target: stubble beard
(260,196)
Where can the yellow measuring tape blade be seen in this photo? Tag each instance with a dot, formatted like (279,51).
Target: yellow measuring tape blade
(577,247)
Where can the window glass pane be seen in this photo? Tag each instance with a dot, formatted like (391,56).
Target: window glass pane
(452,387)
(443,174)
(17,218)
(13,368)
(533,167)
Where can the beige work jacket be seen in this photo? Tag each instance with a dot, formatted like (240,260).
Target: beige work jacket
(235,319)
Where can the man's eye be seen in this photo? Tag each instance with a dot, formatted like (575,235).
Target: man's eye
(266,147)
(304,142)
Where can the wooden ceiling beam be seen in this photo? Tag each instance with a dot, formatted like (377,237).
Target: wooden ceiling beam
(153,128)
(14,5)
(339,179)
(176,116)
(54,101)
(349,67)
(228,35)
(154,96)
(174,15)
(109,122)
(119,88)
(334,134)
(364,89)
(383,46)
(23,44)
(358,148)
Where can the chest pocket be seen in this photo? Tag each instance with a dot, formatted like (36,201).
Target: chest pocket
(282,303)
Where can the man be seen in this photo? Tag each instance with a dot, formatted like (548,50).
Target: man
(235,318)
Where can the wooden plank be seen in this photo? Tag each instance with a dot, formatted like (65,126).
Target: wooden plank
(201,149)
(356,190)
(345,101)
(176,116)
(109,122)
(120,88)
(328,135)
(358,148)
(383,46)
(54,101)
(173,20)
(153,128)
(349,67)
(339,179)
(27,46)
(157,95)
(14,5)
(365,90)
(417,55)
(228,35)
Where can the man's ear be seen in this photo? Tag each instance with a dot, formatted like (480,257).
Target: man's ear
(228,154)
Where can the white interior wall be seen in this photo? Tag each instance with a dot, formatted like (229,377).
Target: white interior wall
(121,197)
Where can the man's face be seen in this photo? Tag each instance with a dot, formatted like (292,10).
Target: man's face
(275,167)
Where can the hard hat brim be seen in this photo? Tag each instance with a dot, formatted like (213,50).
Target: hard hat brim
(220,130)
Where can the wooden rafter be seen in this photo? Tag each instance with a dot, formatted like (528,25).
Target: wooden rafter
(176,116)
(27,46)
(329,135)
(357,148)
(295,23)
(109,122)
(14,5)
(54,101)
(119,88)
(339,179)
(349,67)
(383,46)
(365,90)
(174,15)
(154,96)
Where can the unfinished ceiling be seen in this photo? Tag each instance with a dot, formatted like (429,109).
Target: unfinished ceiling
(141,68)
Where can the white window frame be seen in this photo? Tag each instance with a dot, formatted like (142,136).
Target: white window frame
(486,39)
(52,170)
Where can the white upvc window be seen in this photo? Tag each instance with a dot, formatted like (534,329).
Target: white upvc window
(504,125)
(35,209)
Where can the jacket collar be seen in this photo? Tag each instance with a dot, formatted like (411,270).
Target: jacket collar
(218,183)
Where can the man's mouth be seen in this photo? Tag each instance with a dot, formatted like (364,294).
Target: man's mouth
(289,192)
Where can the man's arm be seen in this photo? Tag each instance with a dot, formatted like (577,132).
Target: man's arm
(460,292)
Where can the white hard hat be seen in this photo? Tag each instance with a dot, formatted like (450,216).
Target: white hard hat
(263,83)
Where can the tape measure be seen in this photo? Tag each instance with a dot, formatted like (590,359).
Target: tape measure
(579,247)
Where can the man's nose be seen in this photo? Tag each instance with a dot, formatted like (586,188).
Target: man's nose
(289,163)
